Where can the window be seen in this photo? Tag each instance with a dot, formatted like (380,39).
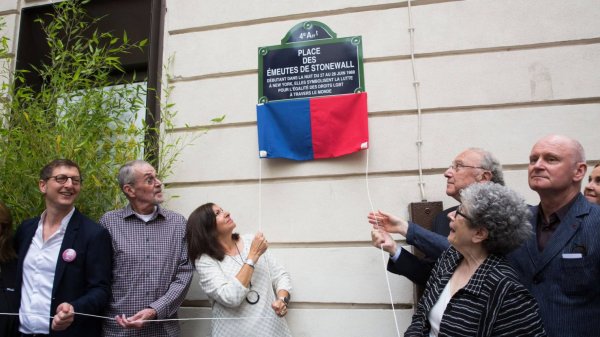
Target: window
(141,19)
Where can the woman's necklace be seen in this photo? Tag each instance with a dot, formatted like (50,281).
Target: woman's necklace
(252,297)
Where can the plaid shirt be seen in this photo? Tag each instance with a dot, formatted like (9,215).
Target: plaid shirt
(150,269)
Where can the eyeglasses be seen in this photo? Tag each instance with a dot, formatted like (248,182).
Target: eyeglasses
(150,180)
(458,166)
(458,212)
(62,179)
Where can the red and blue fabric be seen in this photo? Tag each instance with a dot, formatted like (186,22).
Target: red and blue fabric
(313,128)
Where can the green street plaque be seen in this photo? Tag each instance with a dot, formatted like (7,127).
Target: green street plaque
(310,62)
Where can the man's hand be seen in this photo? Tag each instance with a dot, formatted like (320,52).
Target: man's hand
(65,314)
(388,222)
(383,239)
(136,321)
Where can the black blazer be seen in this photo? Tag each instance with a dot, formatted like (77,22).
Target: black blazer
(8,299)
(84,282)
(567,289)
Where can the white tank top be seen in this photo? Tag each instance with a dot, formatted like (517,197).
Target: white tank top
(437,311)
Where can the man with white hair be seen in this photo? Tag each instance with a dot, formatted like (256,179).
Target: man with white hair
(151,271)
(473,165)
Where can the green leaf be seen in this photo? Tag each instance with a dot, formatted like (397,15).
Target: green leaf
(76,75)
(78,114)
(218,119)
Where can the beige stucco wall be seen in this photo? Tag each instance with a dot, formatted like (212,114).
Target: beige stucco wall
(496,74)
(493,74)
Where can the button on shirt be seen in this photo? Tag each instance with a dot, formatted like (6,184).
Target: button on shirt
(150,269)
(38,278)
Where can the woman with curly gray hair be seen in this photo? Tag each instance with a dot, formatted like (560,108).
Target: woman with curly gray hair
(472,290)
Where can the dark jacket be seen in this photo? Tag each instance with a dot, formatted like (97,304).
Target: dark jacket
(418,269)
(565,276)
(85,282)
(9,302)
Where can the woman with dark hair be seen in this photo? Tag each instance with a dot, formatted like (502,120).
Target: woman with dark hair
(9,325)
(249,292)
(472,290)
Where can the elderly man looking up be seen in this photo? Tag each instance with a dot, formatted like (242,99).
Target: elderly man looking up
(560,263)
(151,272)
(473,165)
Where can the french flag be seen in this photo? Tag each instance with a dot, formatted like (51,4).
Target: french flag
(313,128)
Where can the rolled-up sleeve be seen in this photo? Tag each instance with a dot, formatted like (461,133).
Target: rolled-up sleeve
(279,276)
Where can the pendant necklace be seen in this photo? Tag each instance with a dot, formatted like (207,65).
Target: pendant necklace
(252,297)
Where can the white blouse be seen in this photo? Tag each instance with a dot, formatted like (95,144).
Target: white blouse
(228,296)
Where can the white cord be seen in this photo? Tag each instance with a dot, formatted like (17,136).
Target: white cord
(146,320)
(387,279)
(416,84)
(259,194)
(260,214)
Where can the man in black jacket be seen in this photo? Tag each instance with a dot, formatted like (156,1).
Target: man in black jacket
(64,261)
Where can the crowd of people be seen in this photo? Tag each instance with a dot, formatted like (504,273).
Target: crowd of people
(62,274)
(558,263)
(493,265)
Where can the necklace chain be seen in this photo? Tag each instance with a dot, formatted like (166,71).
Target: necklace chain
(241,262)
(255,295)
(240,255)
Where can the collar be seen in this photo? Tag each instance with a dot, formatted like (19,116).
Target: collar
(479,276)
(555,218)
(128,212)
(63,223)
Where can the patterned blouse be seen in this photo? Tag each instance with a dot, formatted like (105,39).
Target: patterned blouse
(232,315)
(493,303)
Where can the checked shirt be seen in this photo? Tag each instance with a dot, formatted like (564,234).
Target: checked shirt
(150,269)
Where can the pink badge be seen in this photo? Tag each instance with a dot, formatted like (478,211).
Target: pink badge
(69,255)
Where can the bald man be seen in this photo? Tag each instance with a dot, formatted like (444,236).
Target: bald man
(560,263)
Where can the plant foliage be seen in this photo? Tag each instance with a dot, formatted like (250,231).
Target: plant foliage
(79,113)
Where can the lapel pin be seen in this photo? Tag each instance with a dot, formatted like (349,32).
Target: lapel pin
(69,255)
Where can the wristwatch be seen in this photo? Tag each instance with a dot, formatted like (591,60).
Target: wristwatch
(285,299)
(250,263)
